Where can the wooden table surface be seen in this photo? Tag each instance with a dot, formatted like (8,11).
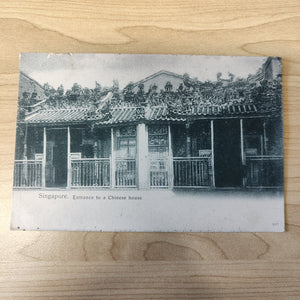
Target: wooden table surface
(82,265)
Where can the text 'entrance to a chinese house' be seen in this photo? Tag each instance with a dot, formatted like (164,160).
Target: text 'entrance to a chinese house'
(228,160)
(56,158)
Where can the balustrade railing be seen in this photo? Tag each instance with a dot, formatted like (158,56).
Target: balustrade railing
(264,171)
(125,172)
(28,173)
(192,171)
(90,172)
(261,171)
(159,173)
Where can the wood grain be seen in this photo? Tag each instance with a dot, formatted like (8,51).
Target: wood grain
(155,280)
(81,265)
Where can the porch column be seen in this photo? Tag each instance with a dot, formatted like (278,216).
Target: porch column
(142,157)
(242,141)
(242,150)
(69,178)
(265,138)
(170,160)
(112,160)
(25,142)
(188,141)
(44,158)
(212,153)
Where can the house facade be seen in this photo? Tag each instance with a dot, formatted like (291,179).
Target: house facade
(187,137)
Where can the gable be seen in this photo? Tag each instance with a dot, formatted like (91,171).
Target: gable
(30,86)
(160,79)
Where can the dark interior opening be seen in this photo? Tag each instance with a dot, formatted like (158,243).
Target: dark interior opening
(56,158)
(227,150)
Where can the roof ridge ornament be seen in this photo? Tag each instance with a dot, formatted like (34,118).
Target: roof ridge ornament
(172,110)
(102,114)
(139,112)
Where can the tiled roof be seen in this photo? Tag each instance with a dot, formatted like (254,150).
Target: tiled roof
(162,113)
(119,115)
(57,116)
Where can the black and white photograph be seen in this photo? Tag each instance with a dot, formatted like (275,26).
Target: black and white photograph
(137,142)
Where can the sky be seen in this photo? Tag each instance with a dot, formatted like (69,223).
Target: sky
(85,69)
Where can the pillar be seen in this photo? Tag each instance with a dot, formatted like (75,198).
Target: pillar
(242,141)
(242,151)
(212,153)
(142,157)
(44,158)
(264,138)
(95,149)
(188,141)
(69,178)
(170,160)
(112,160)
(25,142)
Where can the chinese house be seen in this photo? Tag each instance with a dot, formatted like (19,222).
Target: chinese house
(166,131)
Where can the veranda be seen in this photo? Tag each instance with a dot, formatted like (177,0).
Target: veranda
(203,153)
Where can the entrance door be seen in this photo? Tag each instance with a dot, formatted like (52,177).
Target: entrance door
(227,149)
(56,158)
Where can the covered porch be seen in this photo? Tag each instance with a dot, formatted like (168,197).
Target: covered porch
(205,153)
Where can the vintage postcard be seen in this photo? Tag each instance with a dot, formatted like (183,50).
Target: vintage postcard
(119,142)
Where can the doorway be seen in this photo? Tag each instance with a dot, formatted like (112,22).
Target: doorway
(227,150)
(56,158)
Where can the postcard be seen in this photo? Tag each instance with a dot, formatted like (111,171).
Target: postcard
(139,142)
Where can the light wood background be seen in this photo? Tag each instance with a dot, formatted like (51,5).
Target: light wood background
(81,265)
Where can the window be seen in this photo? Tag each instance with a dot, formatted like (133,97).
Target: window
(126,147)
(158,140)
(126,142)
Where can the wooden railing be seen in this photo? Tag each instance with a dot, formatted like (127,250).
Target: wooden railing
(125,172)
(96,172)
(192,171)
(28,173)
(159,173)
(90,172)
(261,171)
(264,171)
